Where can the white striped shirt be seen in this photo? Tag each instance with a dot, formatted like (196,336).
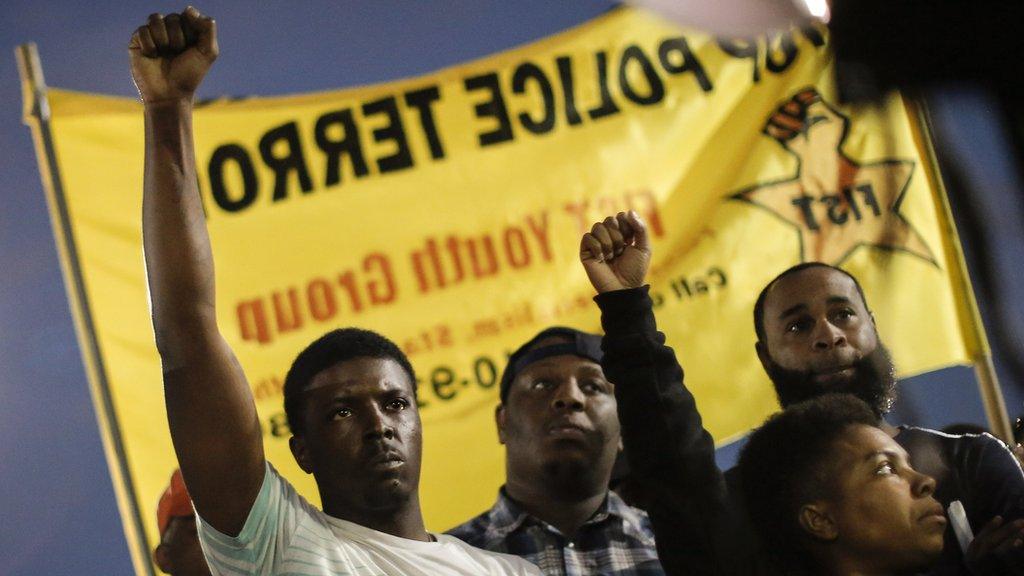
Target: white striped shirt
(284,535)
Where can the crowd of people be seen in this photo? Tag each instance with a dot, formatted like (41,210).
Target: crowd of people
(826,486)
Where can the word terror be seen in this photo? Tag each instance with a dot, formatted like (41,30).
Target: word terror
(235,181)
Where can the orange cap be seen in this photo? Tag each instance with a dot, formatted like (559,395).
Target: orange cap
(174,501)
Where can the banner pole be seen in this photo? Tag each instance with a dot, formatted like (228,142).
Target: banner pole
(36,106)
(984,369)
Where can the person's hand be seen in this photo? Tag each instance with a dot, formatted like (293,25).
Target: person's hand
(986,554)
(616,252)
(171,54)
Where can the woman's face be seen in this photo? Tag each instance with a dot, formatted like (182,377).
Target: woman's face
(883,511)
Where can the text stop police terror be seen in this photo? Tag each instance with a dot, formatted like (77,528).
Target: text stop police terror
(504,106)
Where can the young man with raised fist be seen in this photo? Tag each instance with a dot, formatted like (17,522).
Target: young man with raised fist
(350,397)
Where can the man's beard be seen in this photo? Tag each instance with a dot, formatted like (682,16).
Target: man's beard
(873,381)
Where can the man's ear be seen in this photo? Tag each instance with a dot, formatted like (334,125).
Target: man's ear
(816,519)
(162,559)
(300,451)
(762,355)
(499,420)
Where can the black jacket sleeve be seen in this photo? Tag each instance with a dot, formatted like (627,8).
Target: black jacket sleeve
(993,483)
(980,472)
(671,455)
(993,479)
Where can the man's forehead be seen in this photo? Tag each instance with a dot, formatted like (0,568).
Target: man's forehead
(810,286)
(359,376)
(550,341)
(566,362)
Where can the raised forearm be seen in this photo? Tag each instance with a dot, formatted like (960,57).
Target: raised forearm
(668,449)
(179,262)
(662,428)
(210,408)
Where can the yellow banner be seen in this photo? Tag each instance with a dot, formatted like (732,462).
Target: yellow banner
(445,211)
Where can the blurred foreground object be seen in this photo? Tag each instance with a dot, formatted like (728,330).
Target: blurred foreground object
(882,45)
(962,59)
(737,17)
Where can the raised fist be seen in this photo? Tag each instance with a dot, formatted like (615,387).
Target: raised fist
(616,252)
(806,121)
(171,54)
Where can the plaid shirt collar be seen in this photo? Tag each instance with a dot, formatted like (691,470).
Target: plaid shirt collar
(506,516)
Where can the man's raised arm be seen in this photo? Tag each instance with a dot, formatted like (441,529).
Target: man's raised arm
(670,453)
(210,407)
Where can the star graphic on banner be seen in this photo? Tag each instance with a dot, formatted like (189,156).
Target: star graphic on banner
(835,203)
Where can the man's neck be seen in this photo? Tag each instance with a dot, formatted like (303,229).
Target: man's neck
(405,521)
(557,508)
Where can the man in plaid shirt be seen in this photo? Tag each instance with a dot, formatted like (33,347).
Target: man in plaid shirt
(558,422)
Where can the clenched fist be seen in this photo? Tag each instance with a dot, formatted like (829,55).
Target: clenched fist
(616,252)
(171,54)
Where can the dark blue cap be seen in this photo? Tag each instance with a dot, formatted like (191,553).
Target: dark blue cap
(578,343)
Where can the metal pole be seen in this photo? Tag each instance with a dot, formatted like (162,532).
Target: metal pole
(984,370)
(37,108)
